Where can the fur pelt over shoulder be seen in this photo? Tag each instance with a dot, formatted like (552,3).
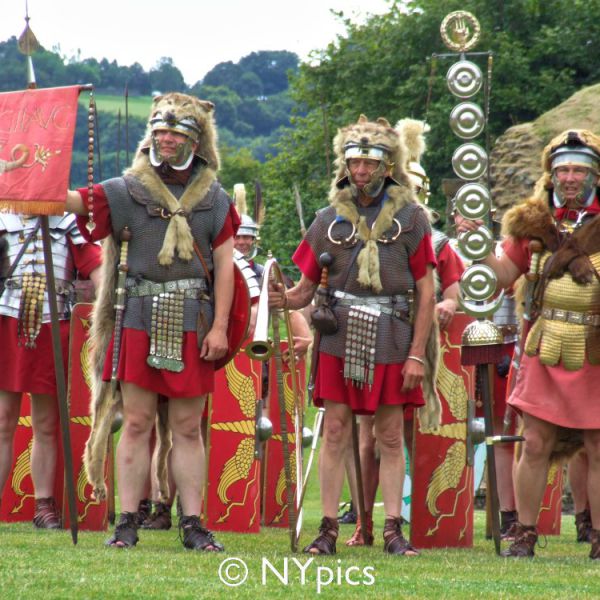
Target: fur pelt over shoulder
(104,405)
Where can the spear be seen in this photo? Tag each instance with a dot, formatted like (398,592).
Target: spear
(28,44)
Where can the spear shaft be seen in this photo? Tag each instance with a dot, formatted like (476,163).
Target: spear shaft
(28,44)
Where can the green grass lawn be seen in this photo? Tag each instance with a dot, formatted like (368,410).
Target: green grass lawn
(45,564)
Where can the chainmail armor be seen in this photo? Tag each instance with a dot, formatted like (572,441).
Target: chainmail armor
(130,204)
(394,335)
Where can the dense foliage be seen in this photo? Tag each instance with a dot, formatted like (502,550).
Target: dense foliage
(393,65)
(543,51)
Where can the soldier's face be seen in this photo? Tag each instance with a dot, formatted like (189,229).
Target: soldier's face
(361,170)
(243,244)
(572,179)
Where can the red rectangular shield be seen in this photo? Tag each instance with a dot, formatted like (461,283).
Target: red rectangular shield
(232,498)
(275,513)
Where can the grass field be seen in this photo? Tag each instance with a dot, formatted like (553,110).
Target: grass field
(37,564)
(46,565)
(138,106)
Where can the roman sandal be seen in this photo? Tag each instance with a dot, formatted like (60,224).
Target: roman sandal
(125,535)
(394,542)
(324,543)
(46,514)
(196,537)
(525,539)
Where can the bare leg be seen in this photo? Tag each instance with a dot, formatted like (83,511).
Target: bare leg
(44,419)
(351,475)
(389,426)
(532,470)
(368,461)
(187,454)
(336,439)
(592,446)
(504,469)
(10,407)
(577,471)
(133,456)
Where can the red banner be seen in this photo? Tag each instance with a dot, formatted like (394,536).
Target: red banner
(36,143)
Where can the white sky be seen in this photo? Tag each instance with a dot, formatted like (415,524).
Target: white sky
(196,34)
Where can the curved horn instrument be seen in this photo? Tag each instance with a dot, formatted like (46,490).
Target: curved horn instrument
(261,348)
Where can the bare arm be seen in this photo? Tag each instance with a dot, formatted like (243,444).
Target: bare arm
(302,333)
(447,307)
(506,270)
(215,342)
(96,278)
(297,297)
(75,203)
(414,370)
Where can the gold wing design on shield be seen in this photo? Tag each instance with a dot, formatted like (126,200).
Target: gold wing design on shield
(452,387)
(86,364)
(22,469)
(236,468)
(242,388)
(280,487)
(446,475)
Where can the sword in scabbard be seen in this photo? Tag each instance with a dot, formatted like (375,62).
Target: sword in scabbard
(325,261)
(120,297)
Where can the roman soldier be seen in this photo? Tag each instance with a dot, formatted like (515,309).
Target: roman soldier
(554,237)
(377,342)
(26,356)
(175,225)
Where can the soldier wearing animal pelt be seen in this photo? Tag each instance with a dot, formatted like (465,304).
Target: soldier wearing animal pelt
(179,290)
(382,346)
(446,275)
(557,382)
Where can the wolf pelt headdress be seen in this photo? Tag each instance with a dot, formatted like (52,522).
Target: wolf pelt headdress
(104,406)
(381,134)
(412,132)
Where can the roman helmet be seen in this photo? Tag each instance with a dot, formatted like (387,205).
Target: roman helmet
(374,140)
(189,116)
(248,225)
(573,147)
(413,133)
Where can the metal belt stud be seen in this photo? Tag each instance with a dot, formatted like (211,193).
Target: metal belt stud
(166,331)
(361,337)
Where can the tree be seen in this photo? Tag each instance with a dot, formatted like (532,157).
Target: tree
(542,53)
(166,77)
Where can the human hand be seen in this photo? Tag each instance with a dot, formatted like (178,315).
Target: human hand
(445,312)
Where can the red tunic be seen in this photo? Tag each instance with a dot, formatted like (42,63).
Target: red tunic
(32,369)
(388,380)
(197,376)
(449,267)
(552,393)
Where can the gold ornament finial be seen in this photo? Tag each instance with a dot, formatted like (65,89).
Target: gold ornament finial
(460,31)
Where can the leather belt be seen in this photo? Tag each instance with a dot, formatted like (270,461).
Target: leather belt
(570,316)
(191,287)
(378,302)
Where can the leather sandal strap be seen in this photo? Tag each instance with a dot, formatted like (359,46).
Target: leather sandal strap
(325,542)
